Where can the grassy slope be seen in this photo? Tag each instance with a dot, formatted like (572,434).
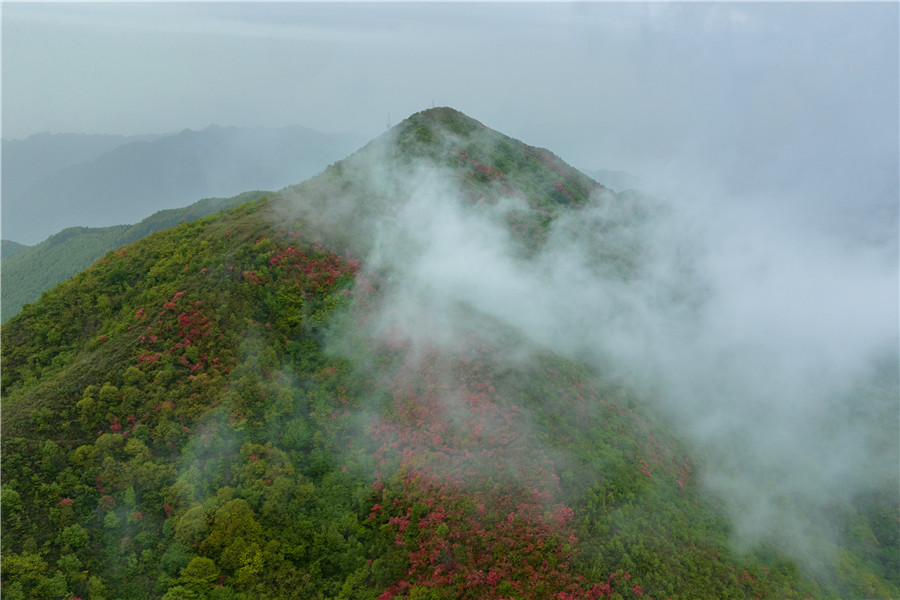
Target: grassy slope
(31,270)
(173,427)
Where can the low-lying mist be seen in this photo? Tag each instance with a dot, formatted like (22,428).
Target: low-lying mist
(770,345)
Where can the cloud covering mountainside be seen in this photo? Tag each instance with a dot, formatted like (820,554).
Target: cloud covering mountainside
(453,366)
(759,339)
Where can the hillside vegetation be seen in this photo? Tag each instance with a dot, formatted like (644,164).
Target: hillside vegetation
(28,271)
(254,405)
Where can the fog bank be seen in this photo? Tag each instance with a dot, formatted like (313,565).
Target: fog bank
(769,344)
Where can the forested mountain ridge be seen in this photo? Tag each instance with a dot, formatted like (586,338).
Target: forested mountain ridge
(28,271)
(10,248)
(267,403)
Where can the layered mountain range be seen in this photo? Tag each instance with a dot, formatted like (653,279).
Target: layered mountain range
(53,182)
(377,384)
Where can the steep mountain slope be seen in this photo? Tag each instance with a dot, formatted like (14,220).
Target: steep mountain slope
(281,401)
(29,271)
(137,178)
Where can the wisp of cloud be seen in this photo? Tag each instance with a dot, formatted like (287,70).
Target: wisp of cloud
(770,346)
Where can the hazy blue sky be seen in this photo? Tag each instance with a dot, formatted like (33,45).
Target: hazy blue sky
(799,98)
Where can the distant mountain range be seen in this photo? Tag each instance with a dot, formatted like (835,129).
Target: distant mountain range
(52,182)
(27,161)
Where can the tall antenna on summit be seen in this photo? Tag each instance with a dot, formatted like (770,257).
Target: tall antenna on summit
(389,121)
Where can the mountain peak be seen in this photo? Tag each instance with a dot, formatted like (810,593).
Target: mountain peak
(444,115)
(238,407)
(439,124)
(479,166)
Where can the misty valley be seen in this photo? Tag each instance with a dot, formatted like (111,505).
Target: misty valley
(447,366)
